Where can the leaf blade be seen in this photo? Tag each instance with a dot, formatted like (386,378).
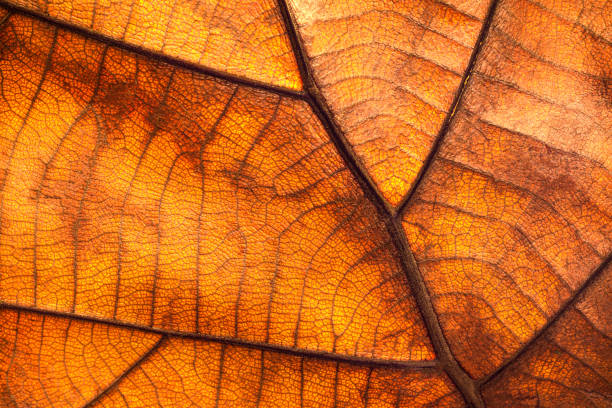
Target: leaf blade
(245,39)
(512,216)
(120,180)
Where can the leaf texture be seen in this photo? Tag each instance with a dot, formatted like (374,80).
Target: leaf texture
(49,361)
(571,364)
(97,365)
(207,374)
(390,71)
(168,199)
(513,214)
(243,38)
(305,203)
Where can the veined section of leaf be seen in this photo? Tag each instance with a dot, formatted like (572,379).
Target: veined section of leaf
(141,193)
(202,374)
(389,71)
(592,15)
(48,361)
(243,38)
(557,84)
(570,365)
(514,213)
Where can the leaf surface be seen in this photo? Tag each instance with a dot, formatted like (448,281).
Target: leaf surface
(389,71)
(172,200)
(50,361)
(425,222)
(242,38)
(514,212)
(570,365)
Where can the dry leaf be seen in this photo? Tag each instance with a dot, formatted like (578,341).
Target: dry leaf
(313,204)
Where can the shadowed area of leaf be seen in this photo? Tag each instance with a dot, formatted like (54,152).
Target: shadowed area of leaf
(514,213)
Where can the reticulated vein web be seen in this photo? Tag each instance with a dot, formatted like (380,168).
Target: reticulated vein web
(305,204)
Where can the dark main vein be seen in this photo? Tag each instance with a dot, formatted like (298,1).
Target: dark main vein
(320,108)
(126,372)
(363,361)
(575,298)
(465,384)
(232,341)
(148,53)
(484,31)
(313,96)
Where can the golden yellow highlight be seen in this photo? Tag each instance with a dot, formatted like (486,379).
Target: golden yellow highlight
(172,200)
(244,38)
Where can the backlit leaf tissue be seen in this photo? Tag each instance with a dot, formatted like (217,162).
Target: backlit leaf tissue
(305,203)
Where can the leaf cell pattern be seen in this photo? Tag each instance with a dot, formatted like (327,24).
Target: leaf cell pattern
(513,214)
(570,365)
(207,374)
(390,71)
(50,361)
(106,366)
(181,202)
(305,203)
(242,38)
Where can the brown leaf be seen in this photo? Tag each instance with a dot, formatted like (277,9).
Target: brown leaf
(244,38)
(515,211)
(167,199)
(390,71)
(570,365)
(425,222)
